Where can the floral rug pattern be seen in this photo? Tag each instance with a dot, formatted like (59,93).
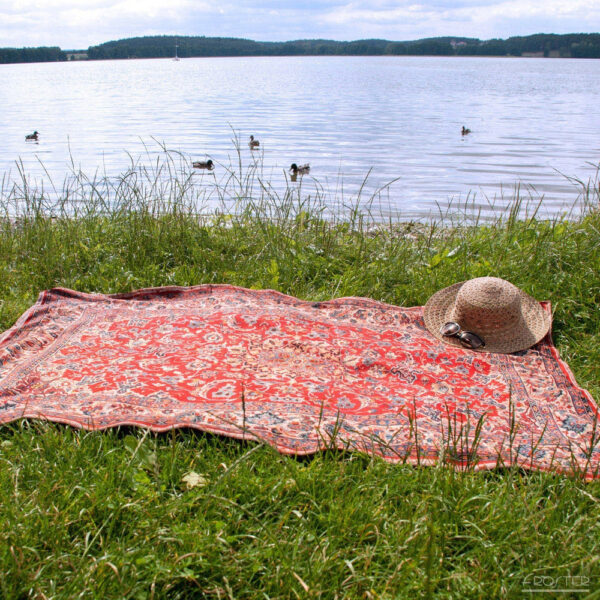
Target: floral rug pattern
(350,373)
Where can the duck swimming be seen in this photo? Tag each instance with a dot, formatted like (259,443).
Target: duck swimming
(204,164)
(254,144)
(302,169)
(465,131)
(32,136)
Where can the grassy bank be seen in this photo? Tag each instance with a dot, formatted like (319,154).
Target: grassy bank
(110,515)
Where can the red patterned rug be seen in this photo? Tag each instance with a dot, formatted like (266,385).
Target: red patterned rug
(302,376)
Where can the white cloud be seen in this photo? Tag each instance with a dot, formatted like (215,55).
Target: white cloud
(517,9)
(78,24)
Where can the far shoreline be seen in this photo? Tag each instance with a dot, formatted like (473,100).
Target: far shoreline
(295,56)
(540,45)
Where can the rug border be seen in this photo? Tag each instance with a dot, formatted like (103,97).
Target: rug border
(287,450)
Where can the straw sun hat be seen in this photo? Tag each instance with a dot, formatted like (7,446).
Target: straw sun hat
(503,316)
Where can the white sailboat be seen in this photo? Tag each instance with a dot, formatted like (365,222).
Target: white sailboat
(176,57)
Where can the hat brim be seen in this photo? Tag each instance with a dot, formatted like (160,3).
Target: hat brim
(532,328)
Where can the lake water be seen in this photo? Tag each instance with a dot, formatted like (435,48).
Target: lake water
(535,123)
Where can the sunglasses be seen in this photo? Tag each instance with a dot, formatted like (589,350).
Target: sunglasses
(466,338)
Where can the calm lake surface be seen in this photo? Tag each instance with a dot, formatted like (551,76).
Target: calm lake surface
(535,123)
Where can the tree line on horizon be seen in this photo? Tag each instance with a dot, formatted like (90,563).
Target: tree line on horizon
(574,45)
(31,55)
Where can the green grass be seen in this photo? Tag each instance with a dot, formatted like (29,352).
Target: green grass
(109,514)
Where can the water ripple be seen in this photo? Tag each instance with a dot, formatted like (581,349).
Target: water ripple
(533,122)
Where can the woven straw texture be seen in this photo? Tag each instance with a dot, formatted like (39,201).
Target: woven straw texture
(508,319)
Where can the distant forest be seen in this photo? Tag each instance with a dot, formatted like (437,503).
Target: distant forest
(573,45)
(30,55)
(576,45)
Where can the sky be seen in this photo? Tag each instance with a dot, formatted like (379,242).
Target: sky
(75,24)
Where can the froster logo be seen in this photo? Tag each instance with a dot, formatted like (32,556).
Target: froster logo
(556,584)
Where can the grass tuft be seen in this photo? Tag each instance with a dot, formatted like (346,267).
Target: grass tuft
(113,514)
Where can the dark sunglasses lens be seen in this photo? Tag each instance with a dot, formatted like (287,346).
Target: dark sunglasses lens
(450,328)
(470,340)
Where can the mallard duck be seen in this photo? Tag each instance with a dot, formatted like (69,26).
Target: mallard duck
(254,144)
(32,136)
(465,131)
(302,169)
(204,164)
